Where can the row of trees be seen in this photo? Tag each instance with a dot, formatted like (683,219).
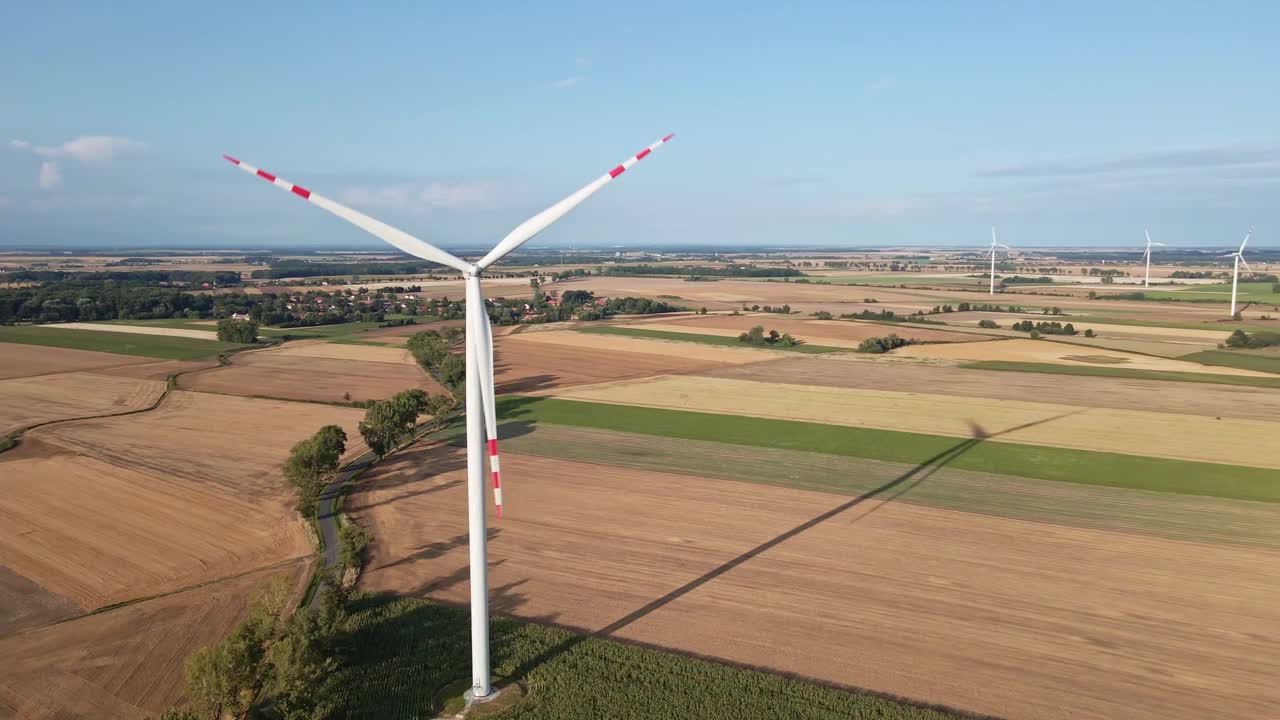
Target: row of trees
(431,350)
(388,423)
(312,464)
(703,270)
(1045,328)
(883,344)
(757,336)
(1245,340)
(237,331)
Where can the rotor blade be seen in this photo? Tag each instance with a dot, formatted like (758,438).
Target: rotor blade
(1147,232)
(1006,247)
(484,336)
(377,228)
(993,235)
(1245,264)
(1246,240)
(536,224)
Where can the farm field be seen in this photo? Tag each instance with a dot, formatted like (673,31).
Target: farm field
(342,351)
(268,373)
(125,663)
(834,333)
(1048,463)
(898,598)
(20,360)
(671,351)
(1244,359)
(1103,371)
(1181,437)
(166,330)
(124,343)
(1121,394)
(31,400)
(724,339)
(1039,351)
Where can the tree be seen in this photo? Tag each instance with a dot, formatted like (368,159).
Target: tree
(1088,332)
(990,324)
(237,331)
(352,541)
(754,336)
(387,422)
(312,463)
(221,678)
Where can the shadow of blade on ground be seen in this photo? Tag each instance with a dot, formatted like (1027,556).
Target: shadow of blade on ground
(897,487)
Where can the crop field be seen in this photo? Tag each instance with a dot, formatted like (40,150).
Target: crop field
(1257,292)
(99,533)
(725,338)
(1048,463)
(268,373)
(587,345)
(30,400)
(1040,351)
(987,614)
(196,333)
(970,381)
(124,343)
(1182,437)
(834,333)
(1103,371)
(20,360)
(341,351)
(125,663)
(1243,359)
(215,441)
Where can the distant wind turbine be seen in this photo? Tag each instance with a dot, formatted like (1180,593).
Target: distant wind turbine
(1147,255)
(480,410)
(992,254)
(1235,270)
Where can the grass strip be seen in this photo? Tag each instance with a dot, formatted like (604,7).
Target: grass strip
(402,652)
(722,340)
(1099,371)
(166,347)
(1033,461)
(1242,359)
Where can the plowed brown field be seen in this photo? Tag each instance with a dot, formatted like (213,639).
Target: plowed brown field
(270,374)
(531,361)
(18,360)
(127,663)
(30,400)
(836,333)
(993,615)
(1062,354)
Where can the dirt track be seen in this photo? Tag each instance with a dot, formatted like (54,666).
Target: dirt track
(1120,393)
(1017,619)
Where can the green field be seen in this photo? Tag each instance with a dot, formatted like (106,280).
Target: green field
(401,652)
(1242,359)
(1257,292)
(721,340)
(1103,371)
(1047,463)
(314,331)
(156,346)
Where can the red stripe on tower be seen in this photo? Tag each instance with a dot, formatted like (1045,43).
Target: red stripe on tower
(617,171)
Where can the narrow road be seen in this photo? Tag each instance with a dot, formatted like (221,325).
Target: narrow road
(327,510)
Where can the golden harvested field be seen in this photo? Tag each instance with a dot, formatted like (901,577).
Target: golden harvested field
(99,533)
(341,351)
(127,663)
(988,614)
(1183,437)
(526,362)
(1038,351)
(832,333)
(267,373)
(215,441)
(139,330)
(30,400)
(17,360)
(1121,393)
(588,345)
(161,370)
(732,294)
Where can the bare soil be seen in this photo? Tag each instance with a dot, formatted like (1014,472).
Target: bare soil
(270,374)
(835,333)
(24,604)
(18,360)
(993,615)
(1040,351)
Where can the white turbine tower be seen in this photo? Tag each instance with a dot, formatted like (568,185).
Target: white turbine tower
(992,254)
(1147,255)
(481,414)
(1235,270)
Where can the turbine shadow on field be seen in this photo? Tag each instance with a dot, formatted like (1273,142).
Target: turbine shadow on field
(898,486)
(430,551)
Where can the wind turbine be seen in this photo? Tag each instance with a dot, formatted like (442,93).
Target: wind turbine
(1235,271)
(1147,255)
(992,253)
(481,413)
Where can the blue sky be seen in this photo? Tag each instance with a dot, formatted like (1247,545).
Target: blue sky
(834,123)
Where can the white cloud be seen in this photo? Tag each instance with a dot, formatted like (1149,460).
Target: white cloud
(86,148)
(422,198)
(567,82)
(49,177)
